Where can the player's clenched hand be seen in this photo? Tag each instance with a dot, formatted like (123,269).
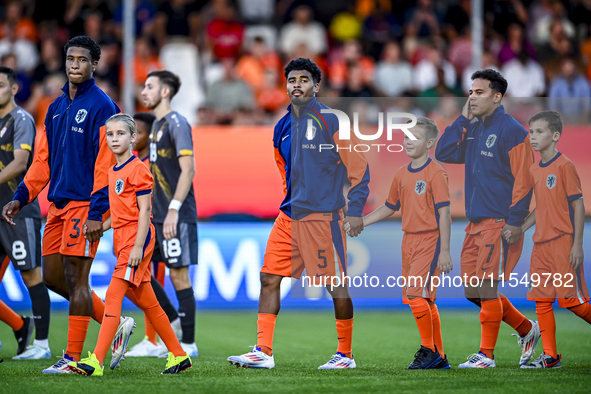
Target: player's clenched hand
(10,210)
(576,256)
(515,232)
(135,257)
(467,111)
(444,262)
(507,235)
(94,230)
(170,222)
(356,224)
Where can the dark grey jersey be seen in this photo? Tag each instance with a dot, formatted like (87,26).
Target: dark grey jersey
(17,131)
(170,139)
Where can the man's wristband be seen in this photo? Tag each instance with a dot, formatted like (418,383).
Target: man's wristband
(175,204)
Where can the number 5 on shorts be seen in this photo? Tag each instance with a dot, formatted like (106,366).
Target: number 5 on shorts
(322,257)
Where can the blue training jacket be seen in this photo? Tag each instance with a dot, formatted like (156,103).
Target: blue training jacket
(497,154)
(314,178)
(73,152)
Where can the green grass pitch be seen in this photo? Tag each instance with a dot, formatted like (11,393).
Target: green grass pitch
(384,344)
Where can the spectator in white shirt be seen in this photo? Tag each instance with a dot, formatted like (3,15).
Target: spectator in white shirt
(393,76)
(425,72)
(525,76)
(303,30)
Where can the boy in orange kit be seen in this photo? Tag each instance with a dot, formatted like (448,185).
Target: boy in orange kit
(556,269)
(130,188)
(420,191)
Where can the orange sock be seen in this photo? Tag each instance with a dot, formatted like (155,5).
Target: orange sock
(113,300)
(265,331)
(150,332)
(491,316)
(77,329)
(420,308)
(10,317)
(345,336)
(98,308)
(437,340)
(157,317)
(583,311)
(514,318)
(547,327)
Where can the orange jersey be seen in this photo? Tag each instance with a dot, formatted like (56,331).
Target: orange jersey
(556,184)
(127,182)
(419,193)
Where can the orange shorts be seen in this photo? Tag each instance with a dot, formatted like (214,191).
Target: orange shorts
(552,276)
(316,243)
(420,253)
(486,254)
(124,240)
(63,231)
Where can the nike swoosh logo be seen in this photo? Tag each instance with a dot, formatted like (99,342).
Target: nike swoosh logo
(339,338)
(484,269)
(402,187)
(109,315)
(536,183)
(420,317)
(118,268)
(55,116)
(69,246)
(319,275)
(284,137)
(260,332)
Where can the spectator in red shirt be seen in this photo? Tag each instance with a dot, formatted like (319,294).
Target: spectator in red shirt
(225,33)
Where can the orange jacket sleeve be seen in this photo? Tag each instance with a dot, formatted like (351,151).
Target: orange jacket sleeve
(37,176)
(521,157)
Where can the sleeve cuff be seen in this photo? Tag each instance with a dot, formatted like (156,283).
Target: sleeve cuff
(393,207)
(441,205)
(355,211)
(516,222)
(95,216)
(143,192)
(574,197)
(21,200)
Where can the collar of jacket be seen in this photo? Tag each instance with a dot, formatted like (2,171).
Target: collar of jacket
(83,87)
(499,111)
(313,104)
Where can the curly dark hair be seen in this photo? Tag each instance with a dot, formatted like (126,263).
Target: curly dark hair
(85,42)
(304,64)
(146,117)
(498,83)
(551,117)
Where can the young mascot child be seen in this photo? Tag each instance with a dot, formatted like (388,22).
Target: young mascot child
(421,192)
(556,268)
(130,187)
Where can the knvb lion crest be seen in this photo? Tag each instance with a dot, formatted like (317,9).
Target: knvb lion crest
(81,115)
(119,186)
(490,141)
(551,181)
(420,187)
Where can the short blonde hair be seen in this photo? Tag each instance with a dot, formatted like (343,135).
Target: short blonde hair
(125,119)
(431,130)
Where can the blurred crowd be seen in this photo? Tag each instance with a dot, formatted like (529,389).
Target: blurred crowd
(230,54)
